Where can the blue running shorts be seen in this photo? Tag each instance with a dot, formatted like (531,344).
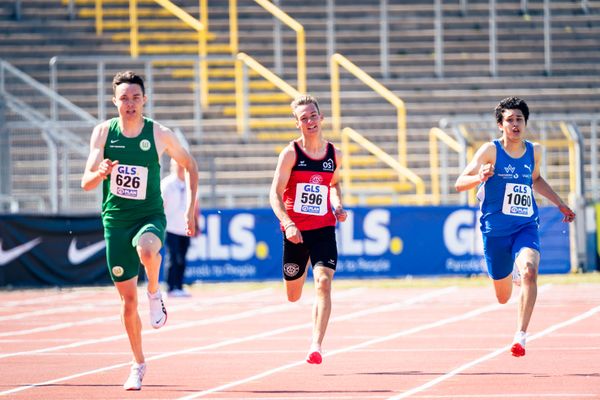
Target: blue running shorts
(500,252)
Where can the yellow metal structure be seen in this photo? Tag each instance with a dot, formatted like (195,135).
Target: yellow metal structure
(338,60)
(436,134)
(241,111)
(401,171)
(300,40)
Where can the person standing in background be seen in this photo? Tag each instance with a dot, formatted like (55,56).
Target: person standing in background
(177,242)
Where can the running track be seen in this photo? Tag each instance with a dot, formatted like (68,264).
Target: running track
(247,342)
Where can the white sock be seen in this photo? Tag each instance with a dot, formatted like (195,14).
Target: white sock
(520,337)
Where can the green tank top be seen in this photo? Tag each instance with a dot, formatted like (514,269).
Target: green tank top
(132,191)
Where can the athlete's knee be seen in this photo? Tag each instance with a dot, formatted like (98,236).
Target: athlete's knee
(529,274)
(129,304)
(147,255)
(323,284)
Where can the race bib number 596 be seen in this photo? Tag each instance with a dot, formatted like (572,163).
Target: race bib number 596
(311,199)
(129,181)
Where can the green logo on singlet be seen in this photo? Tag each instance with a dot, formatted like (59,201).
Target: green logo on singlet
(145,145)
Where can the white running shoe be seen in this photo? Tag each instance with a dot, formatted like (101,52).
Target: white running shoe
(516,276)
(158,312)
(136,375)
(178,293)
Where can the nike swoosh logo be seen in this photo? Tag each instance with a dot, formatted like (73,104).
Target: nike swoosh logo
(77,256)
(7,256)
(113,141)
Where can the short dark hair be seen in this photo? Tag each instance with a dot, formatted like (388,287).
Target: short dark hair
(511,103)
(128,77)
(303,100)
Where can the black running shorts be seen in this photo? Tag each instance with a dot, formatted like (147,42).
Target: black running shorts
(319,246)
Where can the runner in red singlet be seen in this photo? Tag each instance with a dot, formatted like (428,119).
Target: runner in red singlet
(306,197)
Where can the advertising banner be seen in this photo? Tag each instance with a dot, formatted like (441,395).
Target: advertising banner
(247,245)
(372,242)
(52,251)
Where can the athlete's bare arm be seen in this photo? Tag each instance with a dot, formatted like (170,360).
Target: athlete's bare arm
(542,187)
(283,171)
(335,194)
(97,168)
(166,140)
(479,170)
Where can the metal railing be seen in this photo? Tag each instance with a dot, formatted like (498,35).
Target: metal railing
(300,40)
(403,172)
(338,60)
(242,63)
(103,85)
(438,46)
(200,27)
(439,165)
(23,95)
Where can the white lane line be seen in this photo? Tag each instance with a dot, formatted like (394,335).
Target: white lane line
(58,310)
(58,296)
(525,396)
(495,353)
(372,310)
(144,332)
(363,396)
(97,320)
(393,336)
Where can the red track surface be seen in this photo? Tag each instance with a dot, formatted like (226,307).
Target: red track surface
(236,342)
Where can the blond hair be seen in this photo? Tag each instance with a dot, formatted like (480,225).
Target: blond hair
(304,100)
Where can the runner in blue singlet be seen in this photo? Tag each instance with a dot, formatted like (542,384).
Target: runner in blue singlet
(507,171)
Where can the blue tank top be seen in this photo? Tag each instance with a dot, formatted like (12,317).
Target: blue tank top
(506,199)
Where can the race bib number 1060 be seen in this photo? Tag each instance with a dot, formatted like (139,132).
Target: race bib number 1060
(518,200)
(129,181)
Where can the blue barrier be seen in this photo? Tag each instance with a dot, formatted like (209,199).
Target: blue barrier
(373,242)
(247,245)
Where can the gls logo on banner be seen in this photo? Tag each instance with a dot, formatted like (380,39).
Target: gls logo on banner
(462,235)
(376,232)
(208,246)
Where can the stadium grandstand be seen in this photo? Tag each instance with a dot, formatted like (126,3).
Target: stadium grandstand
(407,88)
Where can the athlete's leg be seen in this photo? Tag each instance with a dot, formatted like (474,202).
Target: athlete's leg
(293,288)
(322,306)
(130,317)
(498,256)
(148,248)
(295,266)
(503,288)
(527,261)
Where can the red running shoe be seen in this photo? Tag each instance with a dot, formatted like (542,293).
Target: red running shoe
(517,350)
(314,357)
(518,347)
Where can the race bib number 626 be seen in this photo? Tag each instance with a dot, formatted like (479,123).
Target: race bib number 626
(129,181)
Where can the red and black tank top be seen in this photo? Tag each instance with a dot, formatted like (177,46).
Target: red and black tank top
(306,196)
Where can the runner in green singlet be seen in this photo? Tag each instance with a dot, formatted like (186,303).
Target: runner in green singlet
(124,157)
